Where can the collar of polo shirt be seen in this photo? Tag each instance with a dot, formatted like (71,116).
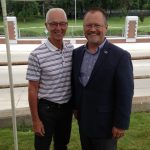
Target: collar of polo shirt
(51,47)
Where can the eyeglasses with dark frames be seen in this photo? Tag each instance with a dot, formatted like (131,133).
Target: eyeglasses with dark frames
(96,26)
(55,24)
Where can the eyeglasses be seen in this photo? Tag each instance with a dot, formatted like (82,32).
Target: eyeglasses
(55,24)
(96,26)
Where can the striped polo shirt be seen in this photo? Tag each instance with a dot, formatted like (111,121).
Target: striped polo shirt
(52,68)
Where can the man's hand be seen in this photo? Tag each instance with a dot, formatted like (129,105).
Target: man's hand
(38,128)
(76,114)
(117,133)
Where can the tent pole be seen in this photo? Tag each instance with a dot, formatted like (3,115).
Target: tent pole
(3,3)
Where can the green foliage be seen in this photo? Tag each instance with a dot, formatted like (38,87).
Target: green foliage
(23,10)
(113,22)
(136,138)
(141,17)
(146,6)
(1,31)
(33,32)
(68,6)
(27,9)
(75,32)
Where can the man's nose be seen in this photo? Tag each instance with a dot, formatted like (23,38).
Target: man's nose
(58,26)
(93,28)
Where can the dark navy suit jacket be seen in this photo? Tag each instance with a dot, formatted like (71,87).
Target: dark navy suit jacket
(107,98)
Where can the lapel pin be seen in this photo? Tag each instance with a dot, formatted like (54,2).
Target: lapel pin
(106,52)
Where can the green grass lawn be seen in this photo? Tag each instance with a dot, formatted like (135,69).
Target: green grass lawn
(77,31)
(136,138)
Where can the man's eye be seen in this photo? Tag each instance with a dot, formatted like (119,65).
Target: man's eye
(53,24)
(62,24)
(97,26)
(89,26)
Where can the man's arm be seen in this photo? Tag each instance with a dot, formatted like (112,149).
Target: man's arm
(124,95)
(38,127)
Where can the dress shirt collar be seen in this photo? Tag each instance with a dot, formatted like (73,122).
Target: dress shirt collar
(98,48)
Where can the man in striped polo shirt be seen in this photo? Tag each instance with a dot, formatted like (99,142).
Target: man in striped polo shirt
(49,75)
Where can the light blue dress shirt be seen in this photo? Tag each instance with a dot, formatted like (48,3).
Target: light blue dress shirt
(88,63)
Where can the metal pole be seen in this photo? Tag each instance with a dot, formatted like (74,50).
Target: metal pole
(3,3)
(75,12)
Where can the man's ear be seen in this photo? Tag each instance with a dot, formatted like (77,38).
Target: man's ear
(106,26)
(46,25)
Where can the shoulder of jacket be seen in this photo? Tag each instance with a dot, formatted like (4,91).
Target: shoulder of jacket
(118,49)
(79,48)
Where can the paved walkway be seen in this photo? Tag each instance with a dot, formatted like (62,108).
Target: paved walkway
(142,95)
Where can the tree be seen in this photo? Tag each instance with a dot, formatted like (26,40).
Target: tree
(23,10)
(28,10)
(0,10)
(67,5)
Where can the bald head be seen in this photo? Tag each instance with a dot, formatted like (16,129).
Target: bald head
(54,11)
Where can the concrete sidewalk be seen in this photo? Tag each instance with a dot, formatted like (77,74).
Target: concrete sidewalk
(141,100)
(141,96)
(140,103)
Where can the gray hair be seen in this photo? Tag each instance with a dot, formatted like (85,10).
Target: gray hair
(53,10)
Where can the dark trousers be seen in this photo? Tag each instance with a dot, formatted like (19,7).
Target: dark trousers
(99,144)
(88,143)
(57,124)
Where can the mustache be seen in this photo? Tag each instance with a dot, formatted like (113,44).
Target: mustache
(92,32)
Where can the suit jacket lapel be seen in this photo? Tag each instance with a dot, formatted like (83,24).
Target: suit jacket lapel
(79,60)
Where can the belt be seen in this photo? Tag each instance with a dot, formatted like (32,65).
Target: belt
(52,104)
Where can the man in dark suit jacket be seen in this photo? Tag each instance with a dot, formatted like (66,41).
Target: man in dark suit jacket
(102,86)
